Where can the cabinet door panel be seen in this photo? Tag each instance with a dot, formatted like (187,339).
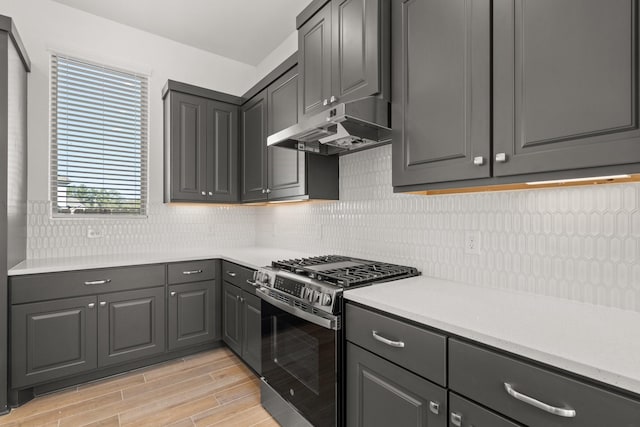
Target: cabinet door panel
(191,314)
(441,103)
(283,102)
(52,339)
(254,142)
(252,331)
(131,325)
(380,393)
(314,62)
(356,49)
(222,152)
(189,135)
(232,317)
(565,84)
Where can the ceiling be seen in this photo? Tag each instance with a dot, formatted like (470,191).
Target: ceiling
(244,30)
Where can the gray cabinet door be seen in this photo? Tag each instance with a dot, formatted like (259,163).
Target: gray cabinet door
(565,84)
(131,325)
(52,339)
(191,314)
(222,152)
(286,168)
(252,331)
(380,393)
(254,148)
(314,62)
(356,50)
(188,141)
(232,317)
(441,108)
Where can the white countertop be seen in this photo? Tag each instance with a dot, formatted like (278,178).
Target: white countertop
(596,342)
(252,257)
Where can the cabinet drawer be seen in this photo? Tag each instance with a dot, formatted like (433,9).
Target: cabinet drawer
(465,413)
(191,271)
(413,348)
(238,275)
(484,376)
(41,287)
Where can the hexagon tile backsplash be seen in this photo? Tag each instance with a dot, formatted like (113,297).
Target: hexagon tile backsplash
(580,243)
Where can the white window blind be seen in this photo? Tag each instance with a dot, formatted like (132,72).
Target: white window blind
(98,139)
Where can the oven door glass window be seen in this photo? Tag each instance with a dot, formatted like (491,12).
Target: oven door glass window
(299,362)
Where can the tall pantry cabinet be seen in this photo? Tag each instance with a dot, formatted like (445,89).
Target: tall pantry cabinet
(14,66)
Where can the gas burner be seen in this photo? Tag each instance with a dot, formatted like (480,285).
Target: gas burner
(345,271)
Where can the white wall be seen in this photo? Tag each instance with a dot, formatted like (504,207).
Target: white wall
(275,58)
(45,25)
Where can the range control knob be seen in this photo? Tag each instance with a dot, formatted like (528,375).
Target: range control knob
(316,296)
(308,294)
(325,299)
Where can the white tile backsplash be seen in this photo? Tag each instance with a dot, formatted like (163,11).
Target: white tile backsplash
(167,227)
(579,243)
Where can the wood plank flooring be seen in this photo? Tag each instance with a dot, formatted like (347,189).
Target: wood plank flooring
(213,388)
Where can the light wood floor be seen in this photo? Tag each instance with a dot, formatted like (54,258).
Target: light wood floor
(213,388)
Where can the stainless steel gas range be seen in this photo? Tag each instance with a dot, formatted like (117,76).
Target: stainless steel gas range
(302,338)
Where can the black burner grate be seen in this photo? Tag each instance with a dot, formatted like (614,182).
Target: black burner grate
(359,272)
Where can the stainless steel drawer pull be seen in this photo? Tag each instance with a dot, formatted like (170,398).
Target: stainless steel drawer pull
(456,419)
(387,341)
(173,293)
(231,273)
(434,407)
(97,282)
(186,273)
(91,305)
(561,412)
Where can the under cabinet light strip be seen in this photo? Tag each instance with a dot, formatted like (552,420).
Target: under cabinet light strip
(591,178)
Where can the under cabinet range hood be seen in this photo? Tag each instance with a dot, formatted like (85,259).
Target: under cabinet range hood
(341,129)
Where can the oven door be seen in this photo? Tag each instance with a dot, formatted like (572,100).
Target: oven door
(299,361)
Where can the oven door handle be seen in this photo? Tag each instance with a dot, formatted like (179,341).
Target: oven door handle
(329,322)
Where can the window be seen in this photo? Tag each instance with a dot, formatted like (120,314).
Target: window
(98,139)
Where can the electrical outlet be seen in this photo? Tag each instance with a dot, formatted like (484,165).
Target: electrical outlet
(472,242)
(94,233)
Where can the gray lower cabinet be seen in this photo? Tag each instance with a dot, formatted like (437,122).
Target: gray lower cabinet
(343,53)
(53,339)
(191,314)
(465,413)
(533,395)
(242,325)
(501,92)
(131,325)
(382,394)
(200,148)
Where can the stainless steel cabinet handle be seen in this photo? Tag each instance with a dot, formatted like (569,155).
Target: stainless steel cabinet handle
(187,273)
(332,99)
(172,293)
(231,273)
(237,297)
(241,299)
(561,412)
(97,282)
(268,190)
(264,191)
(91,305)
(434,407)
(103,303)
(204,193)
(397,344)
(501,157)
(478,161)
(325,102)
(456,419)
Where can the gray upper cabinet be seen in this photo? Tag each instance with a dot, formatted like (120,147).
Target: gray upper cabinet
(314,61)
(274,173)
(201,153)
(442,80)
(343,53)
(565,84)
(254,145)
(511,91)
(285,166)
